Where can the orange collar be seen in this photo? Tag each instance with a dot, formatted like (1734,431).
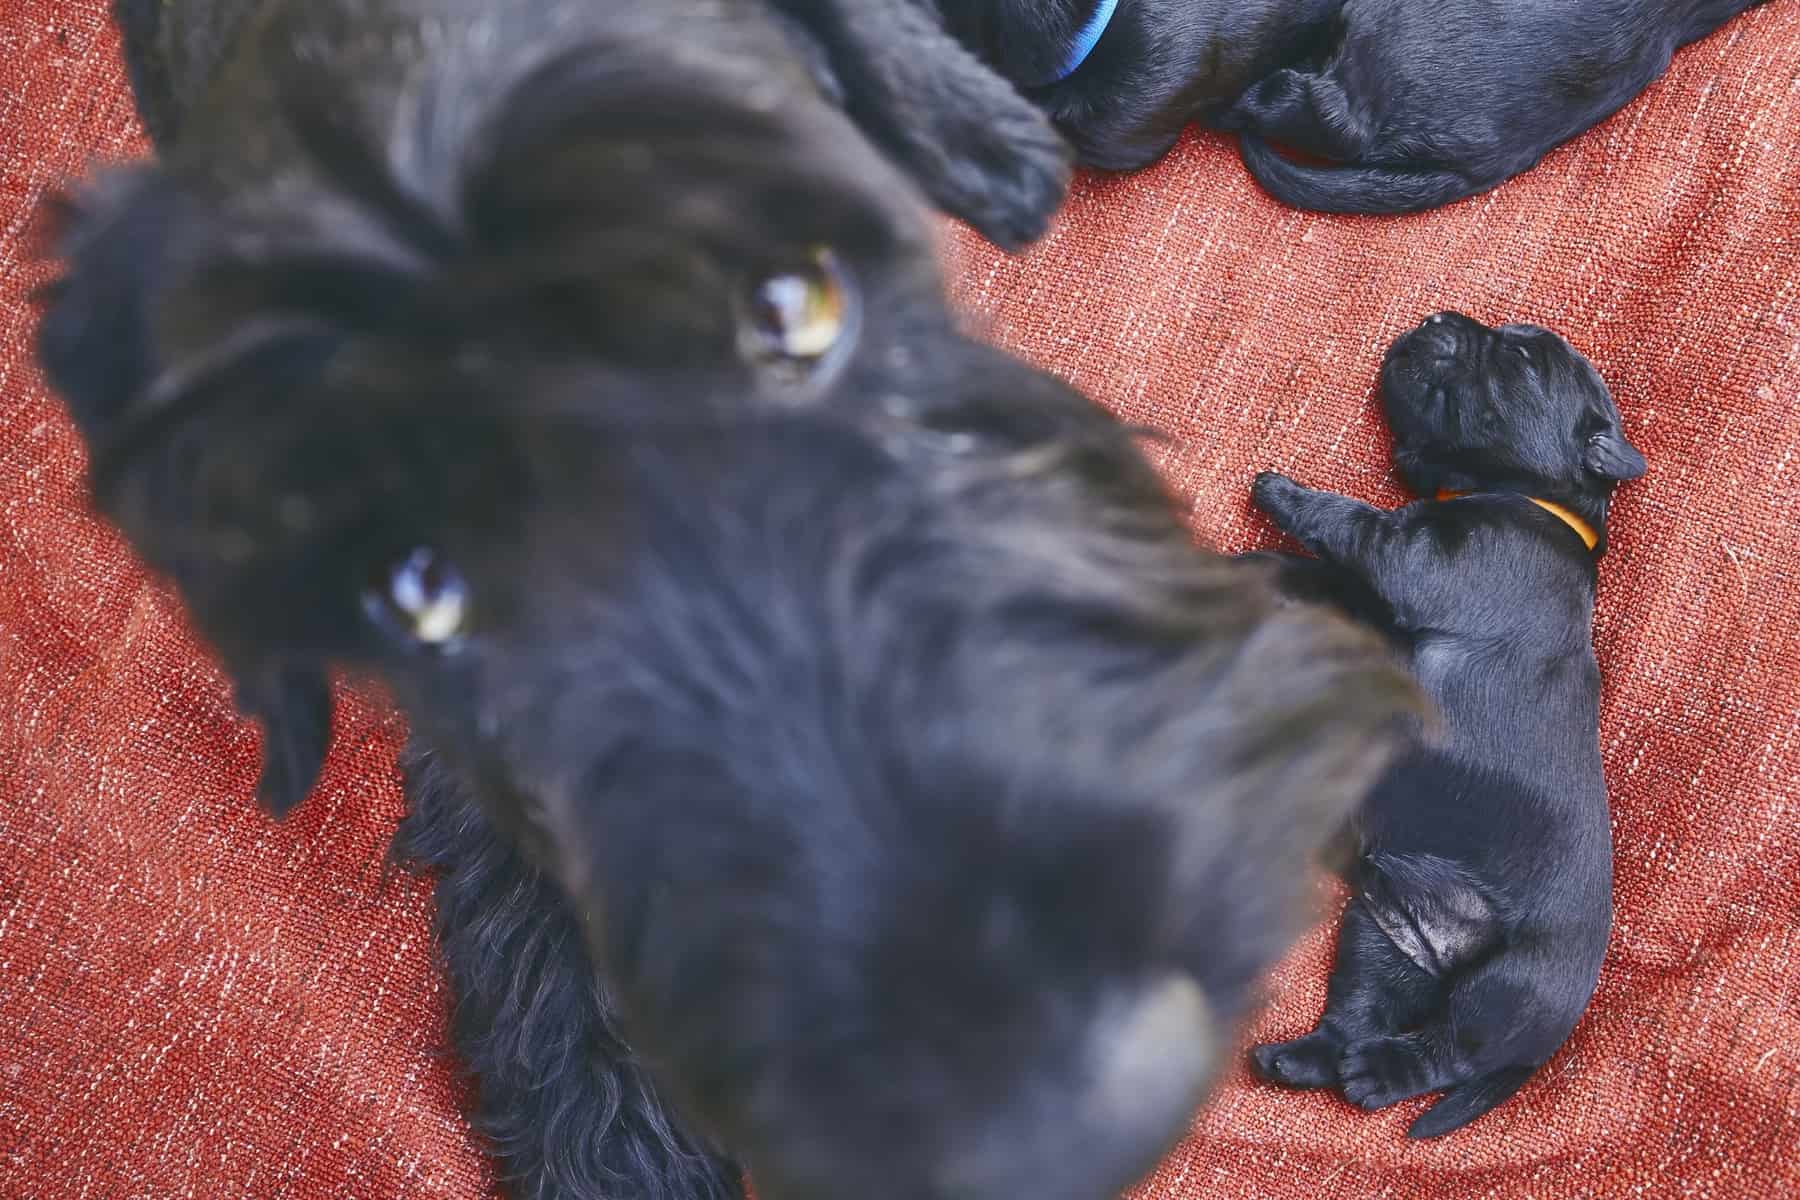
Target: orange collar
(1573,520)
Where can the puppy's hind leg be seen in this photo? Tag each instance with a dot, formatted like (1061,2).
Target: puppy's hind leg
(1482,1049)
(1488,1030)
(566,1107)
(1374,992)
(1306,110)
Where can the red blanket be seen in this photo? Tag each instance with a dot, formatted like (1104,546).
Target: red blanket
(198,1002)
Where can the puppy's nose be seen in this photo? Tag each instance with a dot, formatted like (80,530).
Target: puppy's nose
(1448,319)
(1438,339)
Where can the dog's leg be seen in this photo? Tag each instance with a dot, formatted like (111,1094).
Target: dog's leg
(1380,1071)
(569,1111)
(1334,527)
(1374,992)
(1489,1018)
(1373,544)
(978,148)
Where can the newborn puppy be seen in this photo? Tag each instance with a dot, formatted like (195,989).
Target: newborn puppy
(1422,102)
(1483,877)
(836,757)
(1122,78)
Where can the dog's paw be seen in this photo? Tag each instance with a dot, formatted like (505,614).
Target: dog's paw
(1004,173)
(1306,1062)
(1381,1071)
(1274,493)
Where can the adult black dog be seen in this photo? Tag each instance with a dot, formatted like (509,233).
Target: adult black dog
(1483,877)
(963,134)
(1422,102)
(928,802)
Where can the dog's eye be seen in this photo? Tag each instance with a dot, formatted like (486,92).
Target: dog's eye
(1519,349)
(422,598)
(795,318)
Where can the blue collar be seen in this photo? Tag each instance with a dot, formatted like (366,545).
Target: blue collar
(1086,38)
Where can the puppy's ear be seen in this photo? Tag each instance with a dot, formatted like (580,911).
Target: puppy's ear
(293,705)
(1608,455)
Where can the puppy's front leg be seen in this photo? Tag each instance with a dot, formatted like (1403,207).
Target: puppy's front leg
(1368,542)
(1333,527)
(565,1105)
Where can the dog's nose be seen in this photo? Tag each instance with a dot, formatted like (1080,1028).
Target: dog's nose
(1449,318)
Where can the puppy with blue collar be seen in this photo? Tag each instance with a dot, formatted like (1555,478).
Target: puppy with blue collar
(1122,78)
(1482,875)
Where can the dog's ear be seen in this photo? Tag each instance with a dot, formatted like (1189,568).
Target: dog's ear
(293,705)
(1608,455)
(94,339)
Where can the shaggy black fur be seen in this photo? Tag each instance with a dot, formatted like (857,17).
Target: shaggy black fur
(1483,874)
(928,803)
(963,134)
(1419,103)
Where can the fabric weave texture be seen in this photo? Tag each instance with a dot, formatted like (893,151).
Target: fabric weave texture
(196,1001)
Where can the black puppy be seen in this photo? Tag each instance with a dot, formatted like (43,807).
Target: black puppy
(1122,78)
(928,803)
(1482,886)
(1422,102)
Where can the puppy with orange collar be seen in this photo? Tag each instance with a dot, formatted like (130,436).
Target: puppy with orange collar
(1483,869)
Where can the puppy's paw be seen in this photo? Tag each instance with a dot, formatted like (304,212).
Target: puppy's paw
(1275,494)
(1381,1071)
(1306,1062)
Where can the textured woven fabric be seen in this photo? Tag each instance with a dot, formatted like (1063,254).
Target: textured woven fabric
(198,1002)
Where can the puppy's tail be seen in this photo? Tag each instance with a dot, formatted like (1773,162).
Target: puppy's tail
(1348,188)
(1465,1102)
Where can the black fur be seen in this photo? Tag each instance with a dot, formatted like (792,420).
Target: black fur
(1159,66)
(967,138)
(927,801)
(1421,103)
(1482,880)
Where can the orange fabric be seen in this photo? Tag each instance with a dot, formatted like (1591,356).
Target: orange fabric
(198,1002)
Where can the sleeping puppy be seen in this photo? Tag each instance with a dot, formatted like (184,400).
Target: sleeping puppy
(1422,102)
(1483,876)
(835,755)
(1122,78)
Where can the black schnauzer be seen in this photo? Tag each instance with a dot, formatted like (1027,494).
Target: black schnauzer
(1422,102)
(1483,882)
(928,803)
(965,136)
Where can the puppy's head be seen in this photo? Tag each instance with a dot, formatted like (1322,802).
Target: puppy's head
(932,804)
(1512,406)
